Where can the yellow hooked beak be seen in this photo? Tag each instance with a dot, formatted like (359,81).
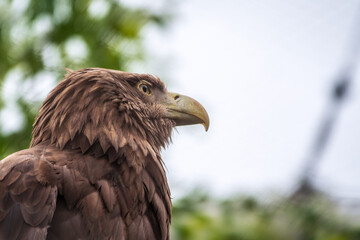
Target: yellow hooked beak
(185,110)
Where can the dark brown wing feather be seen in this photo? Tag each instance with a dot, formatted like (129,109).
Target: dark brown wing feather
(91,197)
(27,205)
(103,200)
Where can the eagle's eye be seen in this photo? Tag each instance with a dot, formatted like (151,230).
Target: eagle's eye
(144,88)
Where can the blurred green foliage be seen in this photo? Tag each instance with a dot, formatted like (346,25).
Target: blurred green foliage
(200,217)
(40,38)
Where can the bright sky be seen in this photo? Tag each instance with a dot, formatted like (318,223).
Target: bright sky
(263,69)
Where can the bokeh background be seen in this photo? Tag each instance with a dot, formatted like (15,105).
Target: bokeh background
(279,79)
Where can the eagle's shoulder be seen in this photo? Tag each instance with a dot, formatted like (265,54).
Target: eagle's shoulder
(27,203)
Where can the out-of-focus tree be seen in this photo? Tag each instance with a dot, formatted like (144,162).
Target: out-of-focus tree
(39,38)
(201,217)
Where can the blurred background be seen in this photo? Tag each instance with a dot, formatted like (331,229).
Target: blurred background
(280,80)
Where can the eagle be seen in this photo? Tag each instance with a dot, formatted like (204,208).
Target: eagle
(94,168)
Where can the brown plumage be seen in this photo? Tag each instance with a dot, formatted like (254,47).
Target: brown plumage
(94,170)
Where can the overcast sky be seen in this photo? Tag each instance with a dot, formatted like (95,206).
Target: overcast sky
(263,70)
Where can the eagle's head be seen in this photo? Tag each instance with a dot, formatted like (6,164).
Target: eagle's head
(101,111)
